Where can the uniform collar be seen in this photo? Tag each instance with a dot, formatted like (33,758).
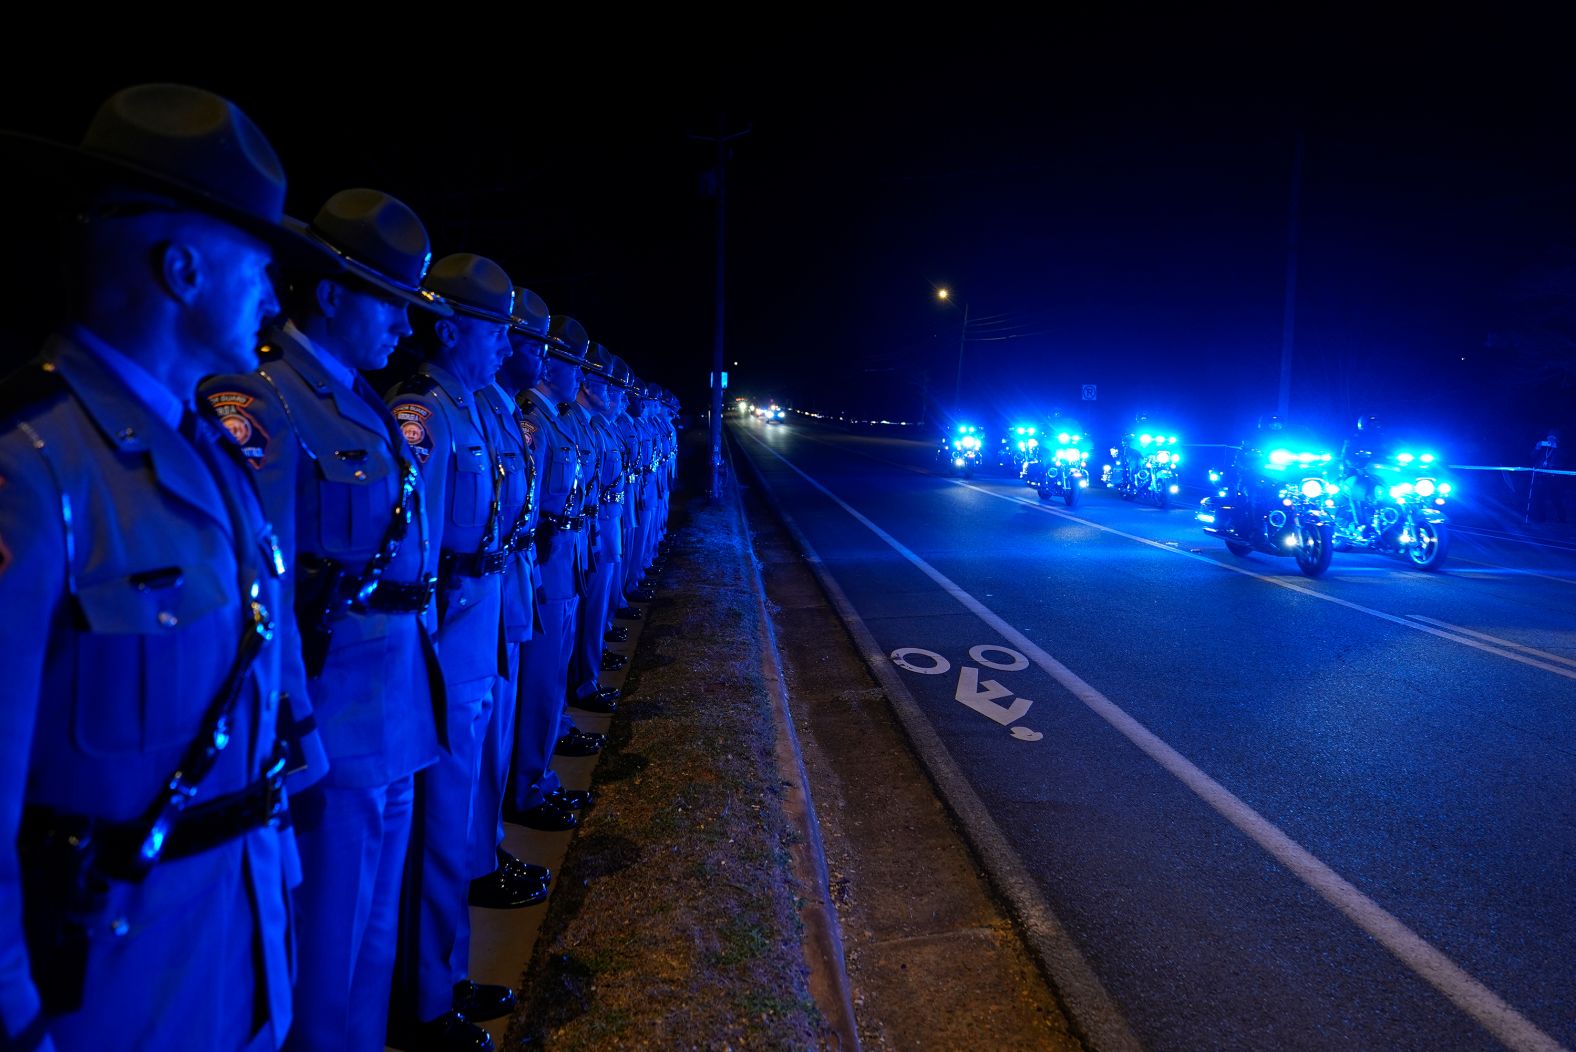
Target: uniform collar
(158,399)
(449,384)
(325,363)
(132,425)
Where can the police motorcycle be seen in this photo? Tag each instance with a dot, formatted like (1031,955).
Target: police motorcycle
(1277,503)
(961,451)
(1019,448)
(1063,470)
(1395,506)
(1146,468)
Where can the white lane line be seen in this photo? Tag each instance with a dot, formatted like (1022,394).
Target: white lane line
(1491,1011)
(1544,654)
(1292,585)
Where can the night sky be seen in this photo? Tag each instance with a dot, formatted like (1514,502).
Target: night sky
(1110,199)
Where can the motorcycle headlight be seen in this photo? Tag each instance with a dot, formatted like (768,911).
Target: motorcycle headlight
(1281,457)
(1034,443)
(1444,488)
(1145,439)
(970,442)
(1214,476)
(1163,457)
(1064,438)
(1313,489)
(1176,458)
(957,443)
(1022,446)
(1404,458)
(1403,490)
(1425,487)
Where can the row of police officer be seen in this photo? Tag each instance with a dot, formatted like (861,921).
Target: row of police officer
(282,657)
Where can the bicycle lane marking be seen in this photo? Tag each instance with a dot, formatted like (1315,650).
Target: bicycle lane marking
(1430,964)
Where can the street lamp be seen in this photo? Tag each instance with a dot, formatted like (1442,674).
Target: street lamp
(945,296)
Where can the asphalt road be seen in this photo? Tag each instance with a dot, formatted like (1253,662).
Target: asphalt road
(1270,812)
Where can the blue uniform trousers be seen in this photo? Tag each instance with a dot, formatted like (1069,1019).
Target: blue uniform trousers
(497,745)
(436,924)
(353,843)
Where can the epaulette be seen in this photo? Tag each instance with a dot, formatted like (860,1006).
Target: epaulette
(417,384)
(29,387)
(564,407)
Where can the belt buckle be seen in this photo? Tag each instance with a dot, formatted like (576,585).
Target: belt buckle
(494,562)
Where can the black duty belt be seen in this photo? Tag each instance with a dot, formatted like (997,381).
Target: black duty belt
(567,523)
(613,494)
(473,564)
(403,597)
(196,828)
(522,542)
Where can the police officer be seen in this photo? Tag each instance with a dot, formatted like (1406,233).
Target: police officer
(535,797)
(598,401)
(595,447)
(645,416)
(623,429)
(513,883)
(143,876)
(340,483)
(450,437)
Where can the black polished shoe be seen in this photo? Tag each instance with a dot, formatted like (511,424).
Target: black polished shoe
(612,662)
(479,1002)
(450,1032)
(574,799)
(523,870)
(643,595)
(578,743)
(548,817)
(501,890)
(629,613)
(604,702)
(616,634)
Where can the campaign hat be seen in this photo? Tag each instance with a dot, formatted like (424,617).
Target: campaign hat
(181,144)
(473,285)
(569,340)
(377,239)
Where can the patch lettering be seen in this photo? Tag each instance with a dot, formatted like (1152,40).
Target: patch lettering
(528,432)
(412,417)
(252,437)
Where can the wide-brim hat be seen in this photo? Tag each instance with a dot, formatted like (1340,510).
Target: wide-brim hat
(531,316)
(568,340)
(622,375)
(601,360)
(378,240)
(473,285)
(181,143)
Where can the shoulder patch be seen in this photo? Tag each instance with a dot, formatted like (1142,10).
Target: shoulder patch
(413,417)
(528,429)
(252,437)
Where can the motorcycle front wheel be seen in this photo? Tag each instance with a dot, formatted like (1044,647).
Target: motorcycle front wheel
(1240,550)
(1315,547)
(1431,546)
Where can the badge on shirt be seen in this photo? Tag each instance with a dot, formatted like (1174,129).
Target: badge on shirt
(528,432)
(412,417)
(231,406)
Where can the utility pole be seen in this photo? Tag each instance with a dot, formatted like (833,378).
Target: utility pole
(1289,315)
(722,139)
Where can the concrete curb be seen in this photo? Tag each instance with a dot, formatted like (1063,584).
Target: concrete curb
(823,945)
(1090,1009)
